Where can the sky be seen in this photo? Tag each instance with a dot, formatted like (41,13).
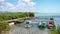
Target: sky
(37,6)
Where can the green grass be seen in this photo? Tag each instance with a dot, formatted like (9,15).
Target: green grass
(4,26)
(55,30)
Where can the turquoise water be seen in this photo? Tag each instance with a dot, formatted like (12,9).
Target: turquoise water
(47,14)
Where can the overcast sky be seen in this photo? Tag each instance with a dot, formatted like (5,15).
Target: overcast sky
(40,6)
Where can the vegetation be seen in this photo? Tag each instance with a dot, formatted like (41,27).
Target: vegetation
(55,30)
(4,26)
(58,30)
(9,16)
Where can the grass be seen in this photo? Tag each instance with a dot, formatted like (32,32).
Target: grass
(55,30)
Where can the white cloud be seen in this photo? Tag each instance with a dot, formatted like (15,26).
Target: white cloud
(31,4)
(22,5)
(27,5)
(9,5)
(27,1)
(2,0)
(1,8)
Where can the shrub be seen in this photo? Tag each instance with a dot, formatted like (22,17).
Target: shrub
(4,26)
(9,16)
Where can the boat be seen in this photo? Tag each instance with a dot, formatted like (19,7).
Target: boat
(28,25)
(12,23)
(41,24)
(50,24)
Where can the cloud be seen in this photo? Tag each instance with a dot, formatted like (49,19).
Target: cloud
(9,5)
(31,4)
(2,0)
(25,5)
(22,5)
(1,8)
(26,1)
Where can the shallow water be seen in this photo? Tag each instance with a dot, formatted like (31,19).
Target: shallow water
(20,29)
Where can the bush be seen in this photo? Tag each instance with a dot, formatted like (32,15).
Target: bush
(55,30)
(58,29)
(9,16)
(4,26)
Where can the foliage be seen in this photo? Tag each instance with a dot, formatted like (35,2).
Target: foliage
(55,31)
(15,15)
(4,26)
(31,14)
(58,30)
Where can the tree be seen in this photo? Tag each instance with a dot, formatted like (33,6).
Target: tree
(31,14)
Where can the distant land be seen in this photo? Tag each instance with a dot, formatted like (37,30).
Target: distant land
(38,13)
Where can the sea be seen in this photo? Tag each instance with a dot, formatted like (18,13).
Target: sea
(47,16)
